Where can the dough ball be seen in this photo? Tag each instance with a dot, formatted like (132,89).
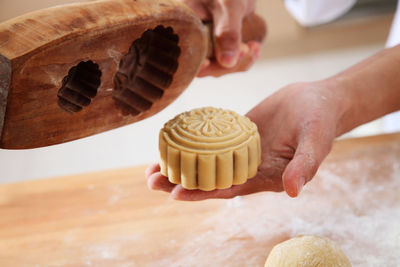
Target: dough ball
(307,251)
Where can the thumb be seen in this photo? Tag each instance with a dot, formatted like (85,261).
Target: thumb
(304,165)
(227,30)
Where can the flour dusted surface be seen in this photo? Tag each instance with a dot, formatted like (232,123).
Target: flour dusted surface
(353,201)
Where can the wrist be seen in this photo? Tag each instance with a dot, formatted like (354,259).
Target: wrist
(367,90)
(341,101)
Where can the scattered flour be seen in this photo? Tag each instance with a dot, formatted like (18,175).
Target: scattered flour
(346,202)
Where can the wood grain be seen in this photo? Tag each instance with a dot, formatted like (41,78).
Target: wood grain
(111,219)
(44,45)
(46,101)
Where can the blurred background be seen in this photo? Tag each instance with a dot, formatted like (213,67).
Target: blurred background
(290,54)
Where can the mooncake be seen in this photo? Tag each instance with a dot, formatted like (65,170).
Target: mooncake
(209,148)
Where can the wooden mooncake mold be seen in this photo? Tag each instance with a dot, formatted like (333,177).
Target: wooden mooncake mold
(209,148)
(75,70)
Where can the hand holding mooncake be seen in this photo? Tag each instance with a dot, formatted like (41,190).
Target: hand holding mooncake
(209,148)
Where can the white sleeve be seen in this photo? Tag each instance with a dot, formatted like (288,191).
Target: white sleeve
(314,12)
(394,35)
(391,122)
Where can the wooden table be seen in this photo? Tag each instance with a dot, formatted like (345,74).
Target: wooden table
(111,218)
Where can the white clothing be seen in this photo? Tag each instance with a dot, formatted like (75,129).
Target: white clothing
(391,123)
(315,12)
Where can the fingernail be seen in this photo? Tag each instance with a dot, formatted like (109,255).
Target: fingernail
(300,184)
(228,59)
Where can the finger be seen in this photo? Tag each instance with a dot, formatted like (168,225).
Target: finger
(157,181)
(302,168)
(255,48)
(249,54)
(152,169)
(206,63)
(257,184)
(299,170)
(227,19)
(201,10)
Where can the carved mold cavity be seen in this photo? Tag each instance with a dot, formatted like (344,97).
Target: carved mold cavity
(5,80)
(79,87)
(146,70)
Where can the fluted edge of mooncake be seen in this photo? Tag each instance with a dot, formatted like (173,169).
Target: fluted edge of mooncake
(208,171)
